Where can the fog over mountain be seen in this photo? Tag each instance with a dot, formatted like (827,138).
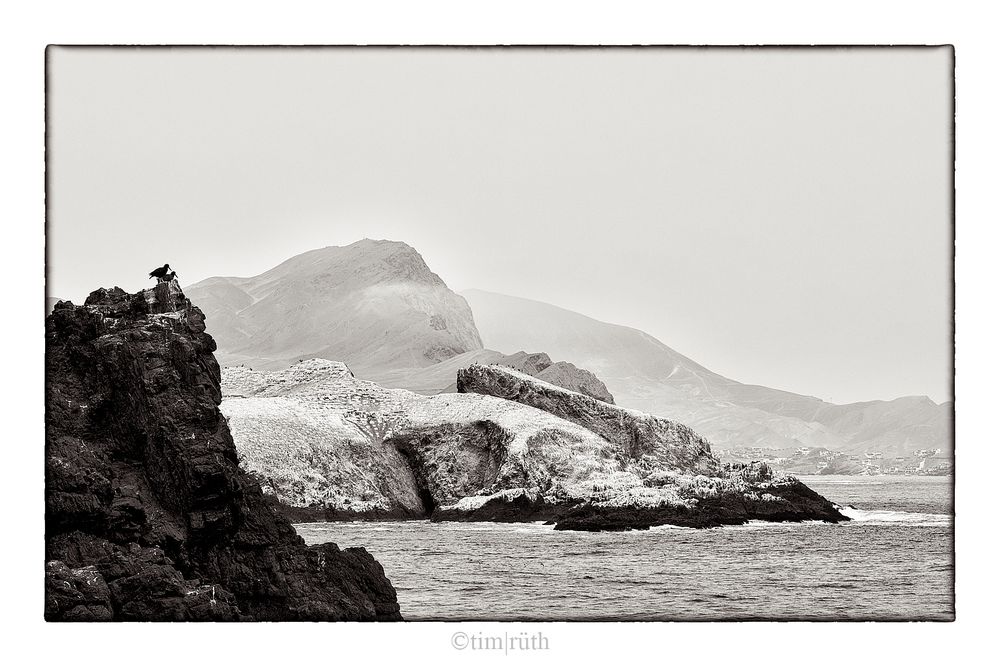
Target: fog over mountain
(375,305)
(746,206)
(378,307)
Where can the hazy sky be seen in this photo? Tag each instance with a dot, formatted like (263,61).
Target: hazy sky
(780,216)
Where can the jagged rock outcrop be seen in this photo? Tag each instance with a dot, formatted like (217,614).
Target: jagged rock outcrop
(640,435)
(695,489)
(742,492)
(293,429)
(148,515)
(529,451)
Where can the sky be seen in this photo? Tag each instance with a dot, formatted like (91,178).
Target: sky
(781,216)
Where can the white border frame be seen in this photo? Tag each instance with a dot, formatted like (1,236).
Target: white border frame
(29,27)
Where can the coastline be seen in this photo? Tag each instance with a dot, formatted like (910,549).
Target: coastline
(789,500)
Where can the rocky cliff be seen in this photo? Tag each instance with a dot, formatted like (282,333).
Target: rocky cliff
(510,448)
(663,442)
(148,515)
(668,472)
(296,430)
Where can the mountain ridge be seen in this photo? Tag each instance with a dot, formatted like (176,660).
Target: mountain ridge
(646,374)
(377,306)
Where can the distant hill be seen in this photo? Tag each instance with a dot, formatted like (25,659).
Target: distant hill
(377,306)
(647,375)
(374,305)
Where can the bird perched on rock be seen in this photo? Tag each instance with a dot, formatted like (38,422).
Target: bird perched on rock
(161,273)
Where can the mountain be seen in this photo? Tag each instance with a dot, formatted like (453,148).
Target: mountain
(509,447)
(148,516)
(375,305)
(645,374)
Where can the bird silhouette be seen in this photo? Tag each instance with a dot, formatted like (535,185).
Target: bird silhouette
(161,273)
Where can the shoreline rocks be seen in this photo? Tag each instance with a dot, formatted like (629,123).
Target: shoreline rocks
(148,515)
(735,503)
(790,501)
(512,448)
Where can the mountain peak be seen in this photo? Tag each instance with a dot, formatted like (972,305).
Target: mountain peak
(371,260)
(374,304)
(382,242)
(372,247)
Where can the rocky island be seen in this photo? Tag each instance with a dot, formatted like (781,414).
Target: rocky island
(148,514)
(507,447)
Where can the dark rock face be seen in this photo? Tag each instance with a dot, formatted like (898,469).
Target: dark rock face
(740,498)
(451,461)
(638,434)
(148,516)
(518,508)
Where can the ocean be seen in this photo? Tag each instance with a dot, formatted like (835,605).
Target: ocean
(894,561)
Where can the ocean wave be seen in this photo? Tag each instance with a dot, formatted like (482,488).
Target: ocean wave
(666,527)
(819,480)
(759,524)
(889,516)
(498,526)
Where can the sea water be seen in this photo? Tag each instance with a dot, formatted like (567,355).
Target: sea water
(894,561)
